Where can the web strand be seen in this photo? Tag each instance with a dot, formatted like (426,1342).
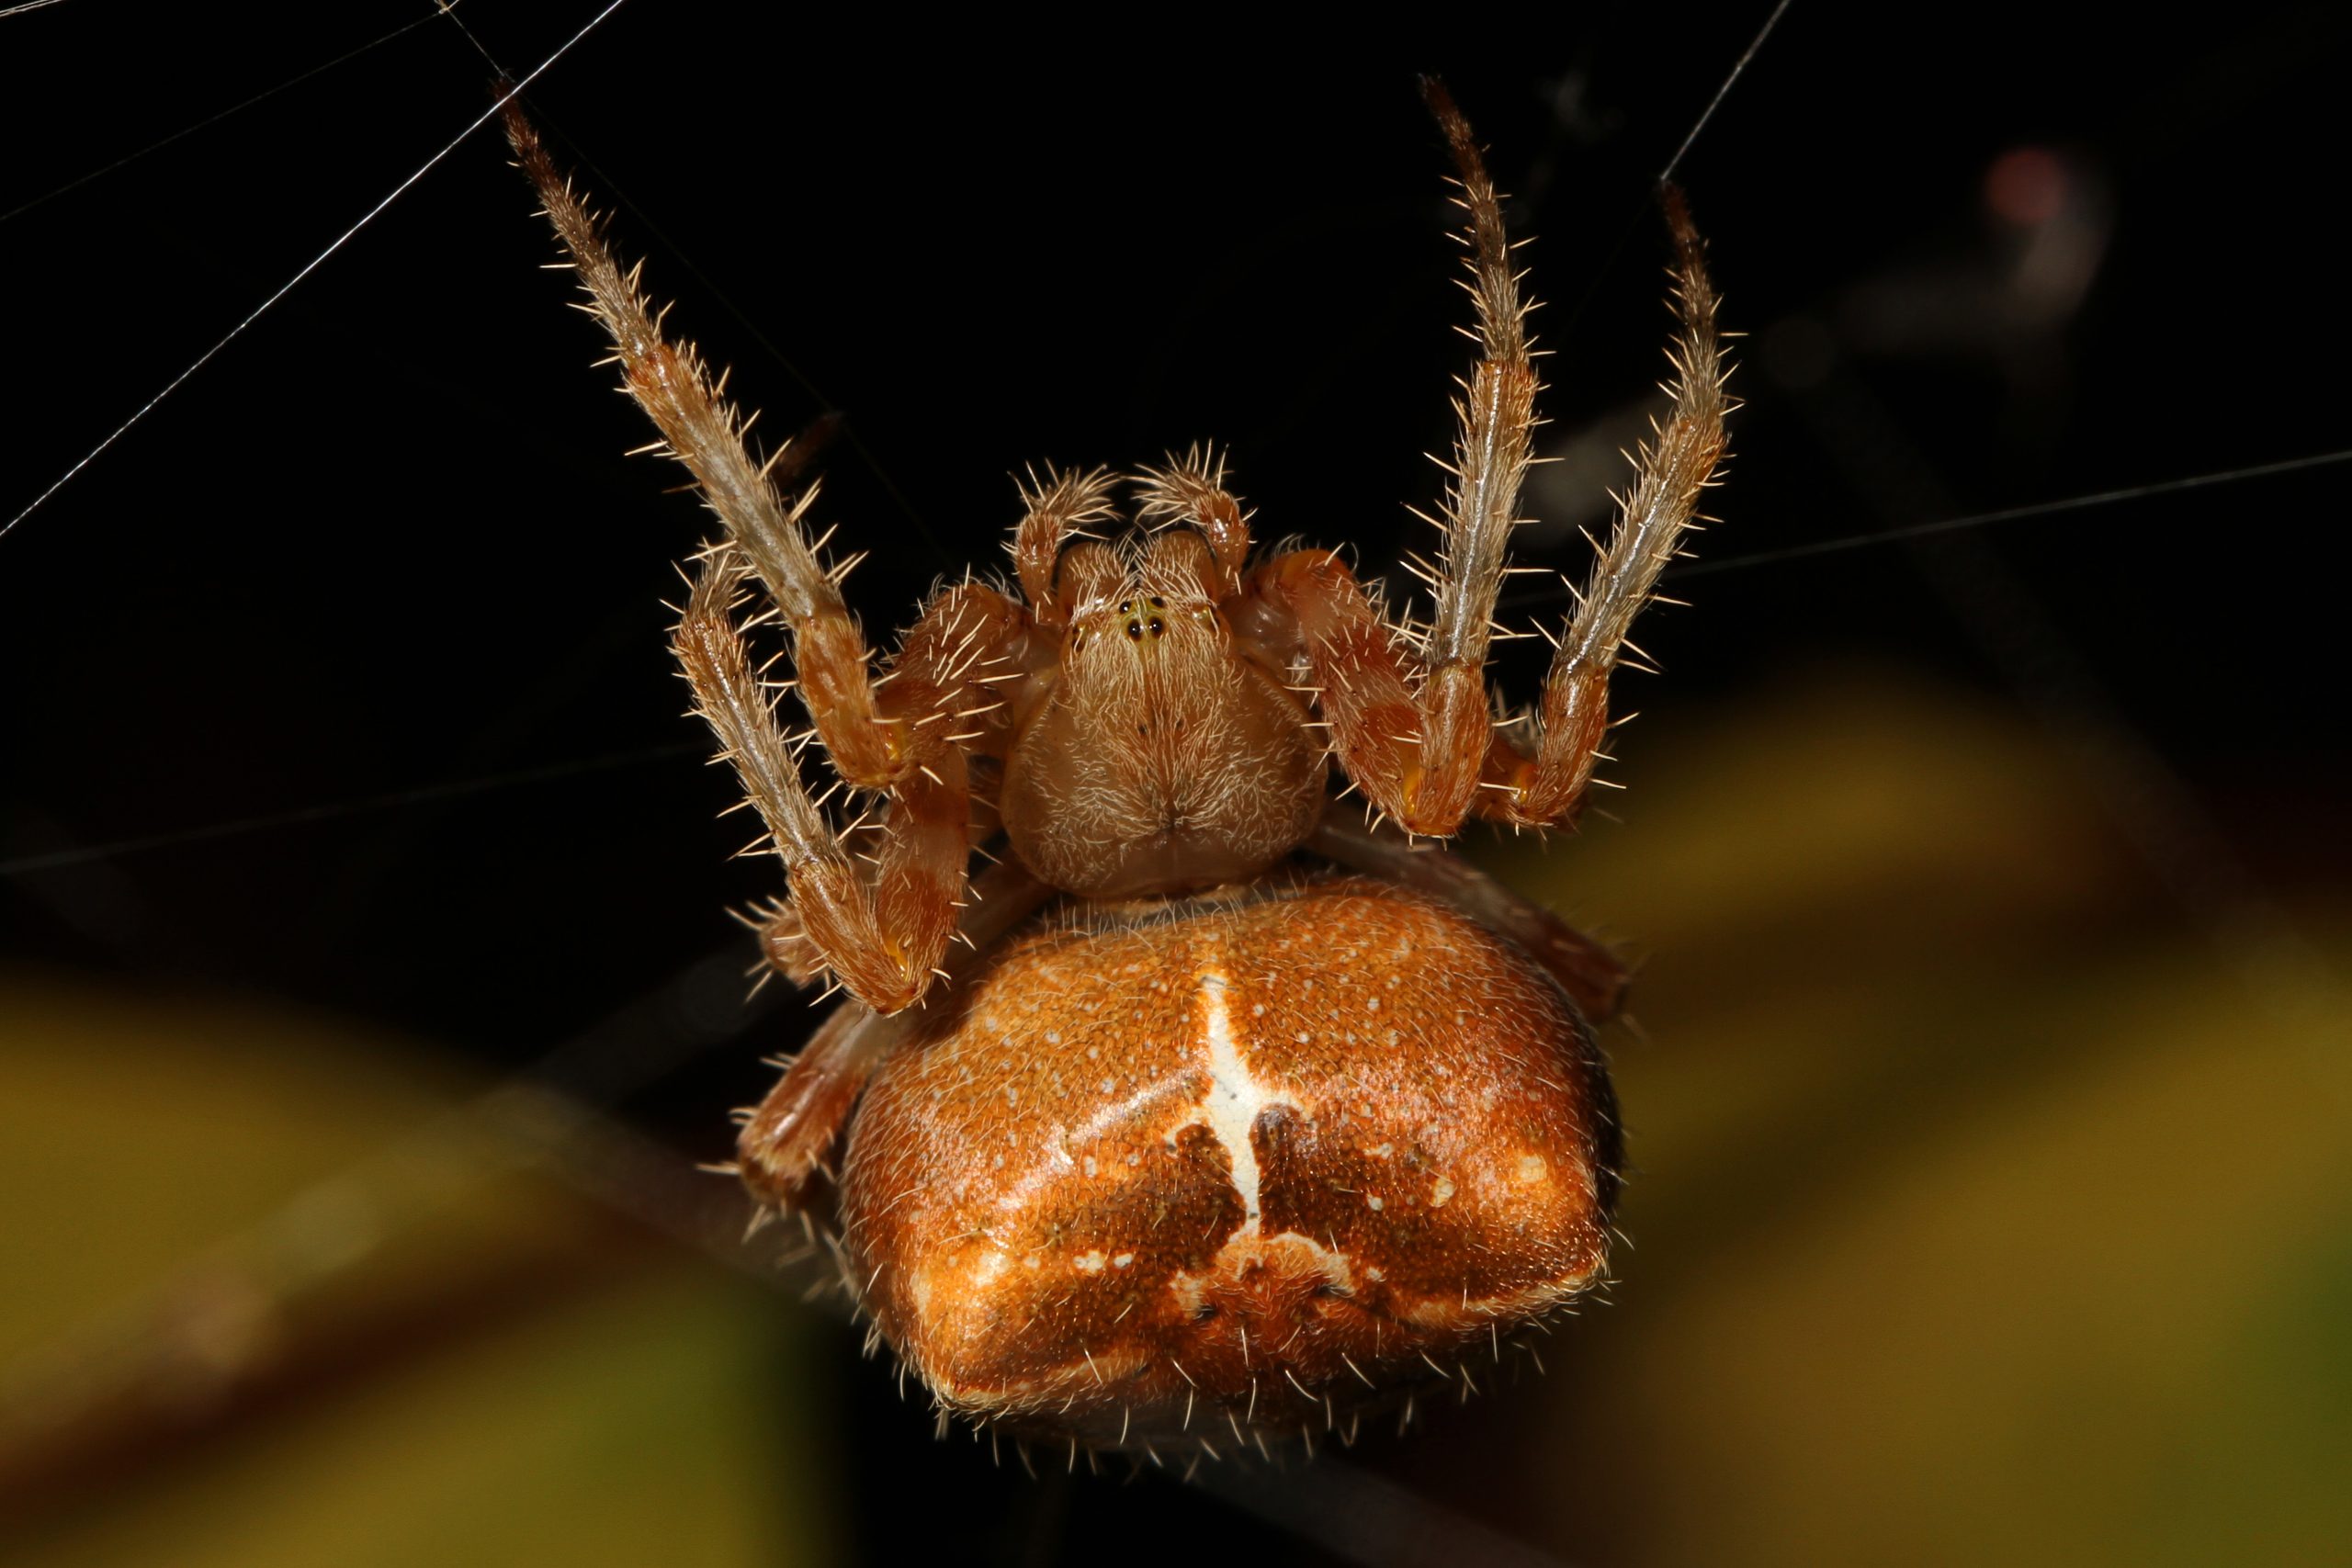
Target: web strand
(2007,515)
(1843,543)
(330,811)
(103,170)
(1666,174)
(283,289)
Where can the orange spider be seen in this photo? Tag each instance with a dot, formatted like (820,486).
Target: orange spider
(1240,1114)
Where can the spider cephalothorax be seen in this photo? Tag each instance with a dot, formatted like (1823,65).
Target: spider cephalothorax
(1238,1113)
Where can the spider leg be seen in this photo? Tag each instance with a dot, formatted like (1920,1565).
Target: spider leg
(788,1136)
(1411,718)
(883,936)
(884,940)
(1674,467)
(1496,414)
(1411,721)
(1192,490)
(763,521)
(791,1133)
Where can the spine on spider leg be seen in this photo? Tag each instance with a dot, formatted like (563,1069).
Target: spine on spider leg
(1675,467)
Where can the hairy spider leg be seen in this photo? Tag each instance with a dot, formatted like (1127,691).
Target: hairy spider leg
(884,934)
(1411,721)
(883,937)
(788,1138)
(1673,469)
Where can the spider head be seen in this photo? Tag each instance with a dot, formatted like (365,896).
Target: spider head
(1152,592)
(1156,756)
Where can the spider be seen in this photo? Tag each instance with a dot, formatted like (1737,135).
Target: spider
(1235,1112)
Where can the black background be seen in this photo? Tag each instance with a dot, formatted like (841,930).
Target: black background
(387,541)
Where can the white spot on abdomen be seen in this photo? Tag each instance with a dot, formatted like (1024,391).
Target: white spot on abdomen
(1230,1108)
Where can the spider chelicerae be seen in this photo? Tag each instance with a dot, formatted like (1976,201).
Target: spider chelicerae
(1237,1111)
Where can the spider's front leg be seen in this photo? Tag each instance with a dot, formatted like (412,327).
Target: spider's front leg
(883,937)
(1411,721)
(1676,465)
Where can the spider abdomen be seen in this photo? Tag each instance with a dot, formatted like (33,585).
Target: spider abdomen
(1213,1165)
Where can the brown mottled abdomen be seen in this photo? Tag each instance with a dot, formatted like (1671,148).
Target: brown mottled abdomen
(1228,1166)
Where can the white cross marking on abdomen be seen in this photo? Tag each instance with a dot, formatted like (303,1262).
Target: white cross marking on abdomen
(1231,1106)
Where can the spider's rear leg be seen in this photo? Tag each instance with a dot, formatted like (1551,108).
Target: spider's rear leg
(788,1138)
